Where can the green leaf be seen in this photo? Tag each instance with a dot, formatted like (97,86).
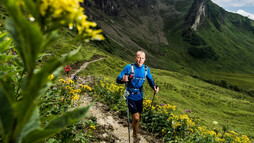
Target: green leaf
(56,125)
(40,78)
(68,118)
(28,40)
(2,36)
(38,135)
(4,46)
(33,86)
(6,113)
(32,124)
(26,108)
(41,55)
(1,127)
(17,41)
(7,89)
(5,58)
(18,63)
(30,5)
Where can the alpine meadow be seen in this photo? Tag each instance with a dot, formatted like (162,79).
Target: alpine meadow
(200,56)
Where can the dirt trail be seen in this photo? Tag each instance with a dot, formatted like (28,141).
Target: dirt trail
(84,66)
(105,117)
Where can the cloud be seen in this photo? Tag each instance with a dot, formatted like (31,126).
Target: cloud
(234,3)
(238,6)
(244,13)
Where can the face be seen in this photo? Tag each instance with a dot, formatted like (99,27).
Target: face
(140,58)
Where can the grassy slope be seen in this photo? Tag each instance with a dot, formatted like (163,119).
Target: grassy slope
(235,60)
(242,51)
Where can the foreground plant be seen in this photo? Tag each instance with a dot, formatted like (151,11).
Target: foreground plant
(33,25)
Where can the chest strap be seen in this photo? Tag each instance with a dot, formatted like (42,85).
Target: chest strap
(133,72)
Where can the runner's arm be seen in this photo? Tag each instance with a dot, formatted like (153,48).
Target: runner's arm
(150,78)
(125,71)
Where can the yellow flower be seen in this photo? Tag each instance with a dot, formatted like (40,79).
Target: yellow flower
(50,77)
(43,7)
(212,133)
(71,81)
(71,92)
(178,124)
(245,139)
(228,134)
(87,87)
(70,12)
(61,80)
(102,84)
(71,26)
(234,133)
(220,140)
(76,97)
(92,127)
(62,99)
(78,90)
(80,85)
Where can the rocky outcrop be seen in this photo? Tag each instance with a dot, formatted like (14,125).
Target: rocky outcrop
(197,10)
(202,11)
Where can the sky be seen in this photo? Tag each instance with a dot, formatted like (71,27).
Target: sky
(243,7)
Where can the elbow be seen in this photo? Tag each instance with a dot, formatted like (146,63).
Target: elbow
(118,80)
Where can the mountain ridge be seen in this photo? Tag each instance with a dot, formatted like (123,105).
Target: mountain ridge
(158,27)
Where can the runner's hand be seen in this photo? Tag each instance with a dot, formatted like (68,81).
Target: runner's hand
(126,78)
(156,89)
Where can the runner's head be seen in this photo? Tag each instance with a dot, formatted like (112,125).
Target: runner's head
(140,58)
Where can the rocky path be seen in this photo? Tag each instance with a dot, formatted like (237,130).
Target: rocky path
(107,118)
(84,66)
(103,116)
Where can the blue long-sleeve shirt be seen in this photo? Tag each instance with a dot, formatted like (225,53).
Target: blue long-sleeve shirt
(136,85)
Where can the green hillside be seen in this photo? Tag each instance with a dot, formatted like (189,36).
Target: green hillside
(164,29)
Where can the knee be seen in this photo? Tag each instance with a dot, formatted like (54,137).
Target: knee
(136,118)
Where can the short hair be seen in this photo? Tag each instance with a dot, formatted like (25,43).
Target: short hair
(140,51)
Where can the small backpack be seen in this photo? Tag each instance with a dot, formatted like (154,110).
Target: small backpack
(133,72)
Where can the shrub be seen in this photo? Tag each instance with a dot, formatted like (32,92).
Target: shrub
(201,53)
(194,39)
